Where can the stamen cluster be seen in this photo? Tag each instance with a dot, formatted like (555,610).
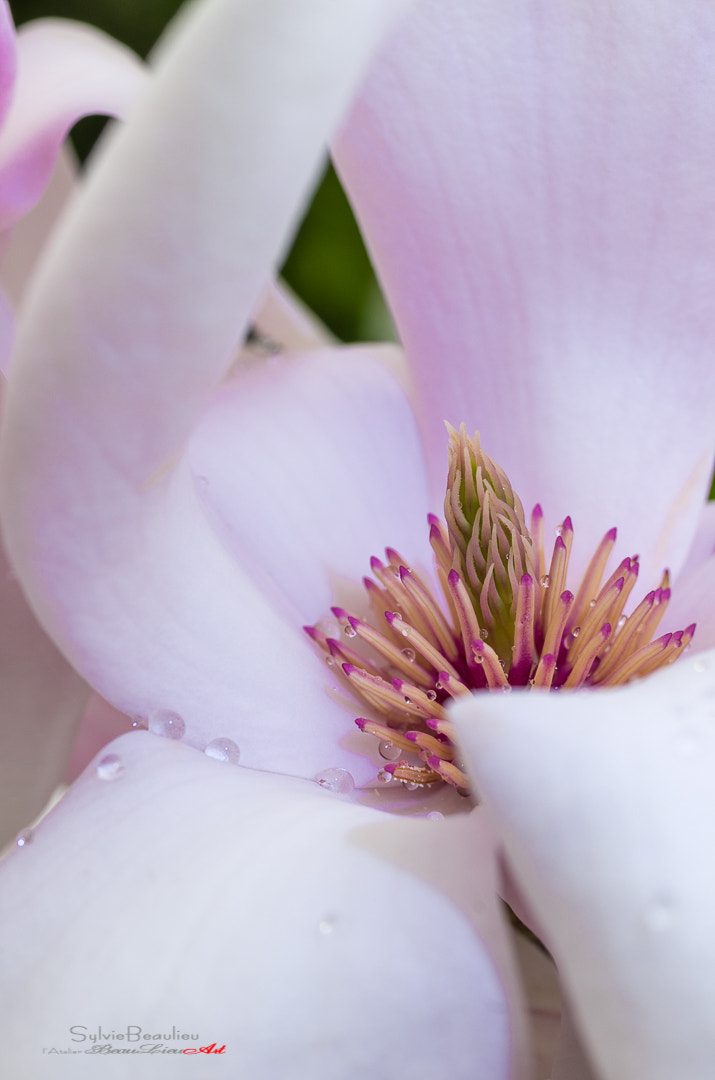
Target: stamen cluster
(504,620)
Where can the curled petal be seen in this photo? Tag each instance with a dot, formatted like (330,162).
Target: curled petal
(65,70)
(135,315)
(604,803)
(258,913)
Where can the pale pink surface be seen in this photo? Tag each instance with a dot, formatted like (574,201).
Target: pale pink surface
(605,805)
(8,59)
(537,187)
(65,70)
(130,573)
(262,913)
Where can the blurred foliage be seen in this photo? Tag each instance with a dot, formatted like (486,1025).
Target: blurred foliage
(327,266)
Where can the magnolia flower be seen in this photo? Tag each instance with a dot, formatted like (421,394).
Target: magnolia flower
(174,526)
(51,73)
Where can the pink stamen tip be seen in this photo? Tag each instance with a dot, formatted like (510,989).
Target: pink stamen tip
(611,534)
(411,735)
(606,630)
(350,668)
(433,521)
(453,577)
(405,572)
(526,579)
(566,597)
(568,524)
(664,595)
(311,632)
(355,623)
(334,646)
(537,512)
(391,555)
(398,683)
(618,585)
(339,613)
(391,617)
(376,564)
(432,723)
(559,545)
(690,629)
(391,768)
(361,722)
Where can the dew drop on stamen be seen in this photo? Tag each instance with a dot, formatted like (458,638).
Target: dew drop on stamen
(330,661)
(110,767)
(166,723)
(621,622)
(432,695)
(410,655)
(408,701)
(484,634)
(24,838)
(223,750)
(479,658)
(592,603)
(576,631)
(384,776)
(544,581)
(349,630)
(337,780)
(410,785)
(389,751)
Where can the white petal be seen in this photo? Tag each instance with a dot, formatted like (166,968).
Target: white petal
(314,938)
(605,803)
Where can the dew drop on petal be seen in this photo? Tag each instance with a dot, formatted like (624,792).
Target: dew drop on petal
(139,723)
(223,750)
(389,751)
(166,723)
(338,780)
(384,776)
(24,838)
(327,925)
(435,815)
(700,664)
(110,767)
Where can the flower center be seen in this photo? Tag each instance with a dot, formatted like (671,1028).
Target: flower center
(504,620)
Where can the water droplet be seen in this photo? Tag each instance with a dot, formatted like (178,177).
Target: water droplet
(621,621)
(327,925)
(479,658)
(484,634)
(384,776)
(410,654)
(166,723)
(350,631)
(389,751)
(110,767)
(330,661)
(432,695)
(408,701)
(576,631)
(139,723)
(544,581)
(438,686)
(700,664)
(559,529)
(24,838)
(410,785)
(338,780)
(396,616)
(592,603)
(434,815)
(223,750)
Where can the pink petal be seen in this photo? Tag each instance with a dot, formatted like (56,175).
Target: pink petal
(131,322)
(65,70)
(313,465)
(8,59)
(41,701)
(605,805)
(22,247)
(286,321)
(311,937)
(537,187)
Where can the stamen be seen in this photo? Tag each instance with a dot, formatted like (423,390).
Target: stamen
(499,620)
